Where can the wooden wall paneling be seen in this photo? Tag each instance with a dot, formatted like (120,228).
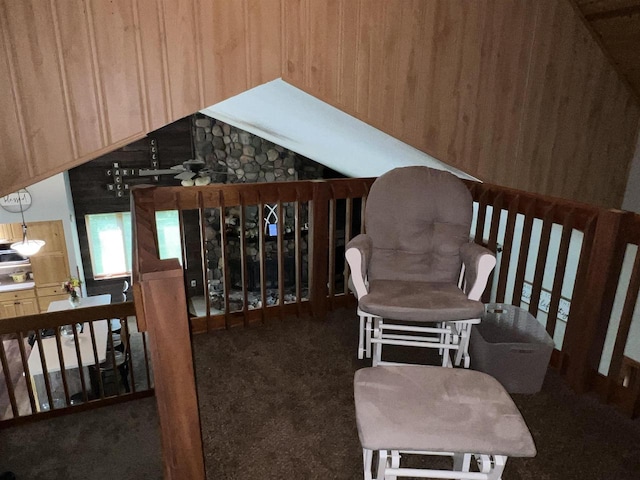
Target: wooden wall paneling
(207,29)
(592,154)
(612,126)
(463,90)
(595,7)
(153,61)
(347,78)
(602,93)
(222,29)
(411,99)
(71,21)
(616,143)
(296,37)
(498,89)
(550,64)
(409,46)
(370,58)
(323,55)
(117,62)
(583,70)
(570,141)
(462,81)
(182,43)
(621,36)
(39,88)
(383,99)
(477,139)
(452,70)
(492,145)
(265,33)
(430,125)
(13,157)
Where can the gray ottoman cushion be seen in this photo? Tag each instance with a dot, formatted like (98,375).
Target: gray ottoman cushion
(438,409)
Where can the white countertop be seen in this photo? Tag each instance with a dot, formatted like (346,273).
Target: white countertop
(10,287)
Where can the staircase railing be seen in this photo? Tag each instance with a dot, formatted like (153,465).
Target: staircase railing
(103,361)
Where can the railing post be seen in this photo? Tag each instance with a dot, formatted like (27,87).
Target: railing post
(589,317)
(164,301)
(318,248)
(161,305)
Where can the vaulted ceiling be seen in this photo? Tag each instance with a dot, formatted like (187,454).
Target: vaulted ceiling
(515,92)
(617,24)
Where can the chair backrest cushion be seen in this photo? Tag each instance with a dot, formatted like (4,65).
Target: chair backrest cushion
(418,218)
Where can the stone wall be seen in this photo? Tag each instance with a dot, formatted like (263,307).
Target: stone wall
(237,156)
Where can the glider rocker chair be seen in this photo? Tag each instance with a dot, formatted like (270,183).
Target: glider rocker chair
(417,276)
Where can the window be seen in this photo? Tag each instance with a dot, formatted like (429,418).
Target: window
(109,236)
(168,226)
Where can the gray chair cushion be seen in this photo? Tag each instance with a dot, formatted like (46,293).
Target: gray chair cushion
(419,301)
(418,218)
(438,409)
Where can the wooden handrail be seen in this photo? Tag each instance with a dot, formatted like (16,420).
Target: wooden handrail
(66,317)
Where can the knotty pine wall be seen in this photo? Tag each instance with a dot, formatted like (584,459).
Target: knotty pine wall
(515,92)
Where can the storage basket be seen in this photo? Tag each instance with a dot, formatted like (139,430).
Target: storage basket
(512,346)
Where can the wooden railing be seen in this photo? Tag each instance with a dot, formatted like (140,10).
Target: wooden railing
(103,360)
(599,249)
(559,259)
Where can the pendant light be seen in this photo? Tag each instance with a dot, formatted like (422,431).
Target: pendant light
(26,247)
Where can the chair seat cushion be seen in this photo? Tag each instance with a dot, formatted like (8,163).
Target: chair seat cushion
(419,301)
(438,409)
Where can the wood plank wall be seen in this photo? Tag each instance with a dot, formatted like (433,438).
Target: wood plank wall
(80,78)
(515,92)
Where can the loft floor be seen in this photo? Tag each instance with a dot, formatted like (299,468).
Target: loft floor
(276,403)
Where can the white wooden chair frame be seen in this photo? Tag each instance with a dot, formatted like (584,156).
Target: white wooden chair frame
(490,467)
(445,336)
(450,338)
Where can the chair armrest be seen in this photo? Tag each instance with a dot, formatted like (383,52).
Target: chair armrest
(478,264)
(358,255)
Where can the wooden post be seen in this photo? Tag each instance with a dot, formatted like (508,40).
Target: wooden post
(164,302)
(589,316)
(161,303)
(318,246)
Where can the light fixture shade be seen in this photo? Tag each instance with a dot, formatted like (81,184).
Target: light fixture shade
(27,248)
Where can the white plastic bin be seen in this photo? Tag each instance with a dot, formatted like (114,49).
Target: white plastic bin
(512,346)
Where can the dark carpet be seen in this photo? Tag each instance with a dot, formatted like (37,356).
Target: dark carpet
(276,402)
(117,442)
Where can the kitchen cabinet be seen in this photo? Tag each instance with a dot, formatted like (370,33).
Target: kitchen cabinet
(52,232)
(49,269)
(11,232)
(50,266)
(18,303)
(46,295)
